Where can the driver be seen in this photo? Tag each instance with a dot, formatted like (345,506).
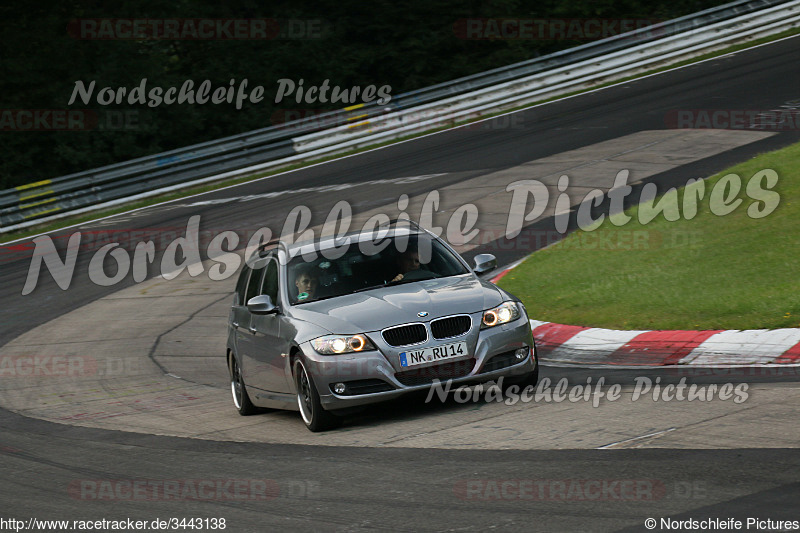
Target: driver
(406,262)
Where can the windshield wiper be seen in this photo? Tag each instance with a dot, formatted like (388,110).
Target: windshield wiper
(301,302)
(401,281)
(379,286)
(388,284)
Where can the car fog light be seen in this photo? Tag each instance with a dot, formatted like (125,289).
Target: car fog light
(521,353)
(339,388)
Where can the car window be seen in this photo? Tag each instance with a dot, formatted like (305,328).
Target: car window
(270,287)
(423,258)
(241,285)
(253,285)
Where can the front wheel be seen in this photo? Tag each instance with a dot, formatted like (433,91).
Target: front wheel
(238,390)
(529,379)
(315,417)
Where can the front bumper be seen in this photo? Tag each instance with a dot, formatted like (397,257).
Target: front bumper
(491,357)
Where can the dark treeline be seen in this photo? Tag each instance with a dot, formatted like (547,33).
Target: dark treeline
(45,50)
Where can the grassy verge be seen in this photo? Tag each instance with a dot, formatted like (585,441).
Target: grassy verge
(189,191)
(710,272)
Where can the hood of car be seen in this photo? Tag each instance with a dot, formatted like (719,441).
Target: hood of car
(377,309)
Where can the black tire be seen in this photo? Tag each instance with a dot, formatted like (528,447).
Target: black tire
(241,400)
(529,379)
(314,416)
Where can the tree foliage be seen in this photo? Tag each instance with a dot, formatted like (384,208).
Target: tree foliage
(403,45)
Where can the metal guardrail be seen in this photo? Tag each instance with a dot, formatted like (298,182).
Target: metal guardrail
(558,80)
(358,125)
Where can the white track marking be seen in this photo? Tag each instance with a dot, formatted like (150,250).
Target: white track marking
(743,347)
(657,433)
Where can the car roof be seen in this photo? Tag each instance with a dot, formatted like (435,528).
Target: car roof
(324,243)
(395,228)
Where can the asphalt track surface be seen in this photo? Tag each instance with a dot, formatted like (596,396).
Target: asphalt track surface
(355,488)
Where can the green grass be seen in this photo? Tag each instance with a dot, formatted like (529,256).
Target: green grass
(710,272)
(77,219)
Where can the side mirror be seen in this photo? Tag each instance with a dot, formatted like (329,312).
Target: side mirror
(261,305)
(484,263)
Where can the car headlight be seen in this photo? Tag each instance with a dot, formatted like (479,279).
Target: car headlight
(338,344)
(502,314)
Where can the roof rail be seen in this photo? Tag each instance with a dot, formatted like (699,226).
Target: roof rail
(267,246)
(411,222)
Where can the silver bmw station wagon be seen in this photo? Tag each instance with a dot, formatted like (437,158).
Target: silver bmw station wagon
(325,326)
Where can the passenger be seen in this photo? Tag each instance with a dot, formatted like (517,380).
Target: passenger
(306,282)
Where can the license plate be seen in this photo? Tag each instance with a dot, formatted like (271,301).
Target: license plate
(435,353)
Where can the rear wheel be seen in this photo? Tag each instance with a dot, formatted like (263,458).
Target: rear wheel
(315,417)
(238,389)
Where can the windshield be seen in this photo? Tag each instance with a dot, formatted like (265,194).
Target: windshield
(357,268)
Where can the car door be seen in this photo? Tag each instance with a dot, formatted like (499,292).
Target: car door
(242,321)
(265,350)
(238,312)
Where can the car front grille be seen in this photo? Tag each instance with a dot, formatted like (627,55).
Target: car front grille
(499,361)
(451,326)
(426,375)
(405,335)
